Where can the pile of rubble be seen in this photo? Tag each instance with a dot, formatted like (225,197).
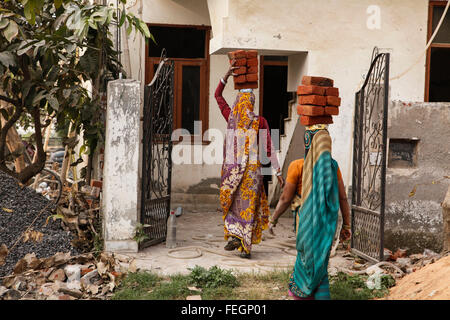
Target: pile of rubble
(397,264)
(27,225)
(413,262)
(432,282)
(66,277)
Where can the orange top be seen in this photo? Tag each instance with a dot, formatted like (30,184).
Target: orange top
(294,174)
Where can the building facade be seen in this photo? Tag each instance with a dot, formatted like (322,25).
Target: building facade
(294,38)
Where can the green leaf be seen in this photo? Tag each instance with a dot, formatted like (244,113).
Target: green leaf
(53,102)
(29,12)
(144,28)
(11,31)
(122,18)
(58,3)
(129,29)
(7,59)
(4,23)
(37,99)
(26,89)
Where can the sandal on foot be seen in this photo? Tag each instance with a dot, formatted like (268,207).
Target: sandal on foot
(245,255)
(233,244)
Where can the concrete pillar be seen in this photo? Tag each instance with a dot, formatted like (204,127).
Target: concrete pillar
(446,218)
(121,186)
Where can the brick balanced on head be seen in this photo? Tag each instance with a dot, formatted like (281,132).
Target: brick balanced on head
(318,101)
(247,72)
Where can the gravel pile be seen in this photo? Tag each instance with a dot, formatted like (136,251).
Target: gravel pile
(18,208)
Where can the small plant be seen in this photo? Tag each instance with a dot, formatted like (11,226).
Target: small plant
(354,287)
(212,278)
(139,235)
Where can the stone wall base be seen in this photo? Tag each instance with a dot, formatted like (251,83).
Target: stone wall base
(121,246)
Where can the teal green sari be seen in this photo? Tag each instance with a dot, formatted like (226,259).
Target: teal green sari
(316,220)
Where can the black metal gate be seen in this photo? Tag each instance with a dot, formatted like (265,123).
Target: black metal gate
(369,160)
(157,150)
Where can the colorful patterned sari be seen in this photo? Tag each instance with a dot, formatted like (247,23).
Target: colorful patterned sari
(316,219)
(242,196)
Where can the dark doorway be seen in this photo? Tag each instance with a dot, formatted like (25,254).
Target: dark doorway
(274,97)
(437,78)
(439,75)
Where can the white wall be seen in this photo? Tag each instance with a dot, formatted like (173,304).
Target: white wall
(334,34)
(339,44)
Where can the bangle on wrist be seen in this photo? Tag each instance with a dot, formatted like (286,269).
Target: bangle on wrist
(346,227)
(273,221)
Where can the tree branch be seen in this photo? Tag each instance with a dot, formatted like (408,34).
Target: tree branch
(36,167)
(3,132)
(9,100)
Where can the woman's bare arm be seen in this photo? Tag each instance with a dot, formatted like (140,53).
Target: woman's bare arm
(286,198)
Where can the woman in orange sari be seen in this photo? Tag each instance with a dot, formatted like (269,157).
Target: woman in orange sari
(242,196)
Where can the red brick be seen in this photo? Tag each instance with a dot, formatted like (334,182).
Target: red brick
(251,54)
(307,110)
(246,85)
(251,77)
(331,91)
(331,111)
(240,62)
(304,90)
(317,81)
(96,183)
(237,54)
(333,101)
(253,69)
(240,70)
(313,99)
(309,121)
(239,78)
(252,62)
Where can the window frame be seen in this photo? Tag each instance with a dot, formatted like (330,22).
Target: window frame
(431,6)
(204,64)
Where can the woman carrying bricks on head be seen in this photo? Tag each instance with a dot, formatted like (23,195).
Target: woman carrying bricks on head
(242,196)
(315,191)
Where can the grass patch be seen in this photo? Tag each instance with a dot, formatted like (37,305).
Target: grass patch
(213,277)
(219,284)
(215,284)
(353,287)
(137,286)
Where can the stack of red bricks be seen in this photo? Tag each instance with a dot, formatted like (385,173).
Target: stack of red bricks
(318,101)
(247,72)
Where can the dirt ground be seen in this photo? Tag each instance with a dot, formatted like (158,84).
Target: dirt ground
(432,282)
(200,242)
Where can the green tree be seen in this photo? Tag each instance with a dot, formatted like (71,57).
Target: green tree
(48,50)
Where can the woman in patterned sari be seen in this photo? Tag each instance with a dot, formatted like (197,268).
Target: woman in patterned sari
(315,191)
(242,196)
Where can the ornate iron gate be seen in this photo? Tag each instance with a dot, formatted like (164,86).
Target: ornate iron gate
(157,150)
(369,160)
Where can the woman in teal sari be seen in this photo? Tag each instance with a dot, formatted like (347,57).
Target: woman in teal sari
(315,191)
